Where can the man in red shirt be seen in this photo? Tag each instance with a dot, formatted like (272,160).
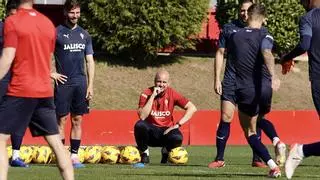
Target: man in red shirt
(29,40)
(156,126)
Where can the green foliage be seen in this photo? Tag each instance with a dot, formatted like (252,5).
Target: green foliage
(139,28)
(283,20)
(2,9)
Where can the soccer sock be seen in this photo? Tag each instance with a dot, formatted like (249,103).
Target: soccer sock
(63,141)
(311,149)
(267,128)
(221,139)
(74,145)
(15,154)
(259,148)
(255,156)
(275,141)
(146,151)
(16,141)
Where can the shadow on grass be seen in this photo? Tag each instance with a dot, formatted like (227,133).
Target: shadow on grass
(199,175)
(161,60)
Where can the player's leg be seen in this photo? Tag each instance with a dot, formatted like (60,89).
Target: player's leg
(43,123)
(16,141)
(223,131)
(79,106)
(248,123)
(3,156)
(62,100)
(172,140)
(280,147)
(146,135)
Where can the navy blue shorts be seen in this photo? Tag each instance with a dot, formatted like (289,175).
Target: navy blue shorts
(17,113)
(315,91)
(228,91)
(3,89)
(252,101)
(71,98)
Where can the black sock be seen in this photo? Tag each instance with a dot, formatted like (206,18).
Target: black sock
(74,145)
(16,142)
(267,128)
(259,148)
(223,133)
(311,149)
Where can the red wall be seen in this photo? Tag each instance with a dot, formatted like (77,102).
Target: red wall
(116,127)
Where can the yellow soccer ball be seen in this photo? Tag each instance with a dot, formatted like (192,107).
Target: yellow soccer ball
(129,155)
(42,155)
(92,154)
(26,154)
(178,155)
(9,150)
(110,154)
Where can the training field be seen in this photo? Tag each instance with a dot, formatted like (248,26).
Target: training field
(238,159)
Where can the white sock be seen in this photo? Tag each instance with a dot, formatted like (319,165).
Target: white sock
(146,151)
(275,141)
(73,155)
(15,154)
(272,164)
(300,150)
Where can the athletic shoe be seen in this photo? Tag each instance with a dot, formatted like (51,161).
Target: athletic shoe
(259,164)
(145,158)
(280,150)
(76,163)
(274,173)
(216,164)
(18,163)
(293,161)
(138,165)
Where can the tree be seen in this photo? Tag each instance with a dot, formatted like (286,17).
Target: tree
(139,28)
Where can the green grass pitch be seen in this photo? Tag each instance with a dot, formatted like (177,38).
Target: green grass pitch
(238,166)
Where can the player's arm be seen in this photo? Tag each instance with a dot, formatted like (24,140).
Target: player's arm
(144,111)
(90,72)
(6,60)
(305,30)
(218,63)
(269,60)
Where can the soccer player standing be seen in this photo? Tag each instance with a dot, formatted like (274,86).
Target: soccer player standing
(72,92)
(29,39)
(255,78)
(156,126)
(309,29)
(228,99)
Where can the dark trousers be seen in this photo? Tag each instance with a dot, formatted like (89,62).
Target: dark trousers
(147,134)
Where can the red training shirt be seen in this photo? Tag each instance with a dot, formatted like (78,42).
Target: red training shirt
(163,106)
(33,36)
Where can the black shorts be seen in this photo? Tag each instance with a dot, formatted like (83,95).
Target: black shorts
(17,113)
(228,91)
(71,98)
(253,101)
(3,89)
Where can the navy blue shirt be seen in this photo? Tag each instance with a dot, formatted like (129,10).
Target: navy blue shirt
(7,77)
(72,45)
(227,31)
(246,48)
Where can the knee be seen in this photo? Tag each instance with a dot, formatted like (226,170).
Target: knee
(76,121)
(62,121)
(140,125)
(226,116)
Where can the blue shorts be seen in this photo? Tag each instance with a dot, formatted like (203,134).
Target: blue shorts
(17,113)
(71,98)
(253,101)
(228,91)
(3,89)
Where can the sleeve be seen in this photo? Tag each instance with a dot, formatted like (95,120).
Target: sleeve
(54,39)
(10,34)
(89,47)
(179,100)
(222,38)
(267,42)
(305,30)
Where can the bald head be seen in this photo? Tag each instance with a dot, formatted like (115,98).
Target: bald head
(162,79)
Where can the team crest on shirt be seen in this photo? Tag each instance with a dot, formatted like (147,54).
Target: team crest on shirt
(32,13)
(81,35)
